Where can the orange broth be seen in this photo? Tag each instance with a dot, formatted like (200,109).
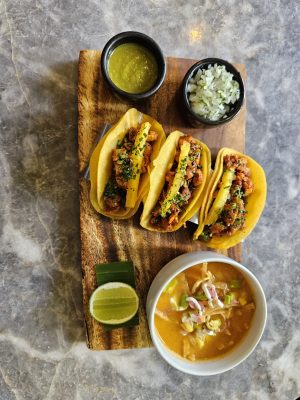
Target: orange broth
(169,327)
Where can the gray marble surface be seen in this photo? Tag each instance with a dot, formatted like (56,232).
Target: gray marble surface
(42,349)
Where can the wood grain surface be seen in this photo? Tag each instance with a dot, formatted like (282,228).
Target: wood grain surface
(104,240)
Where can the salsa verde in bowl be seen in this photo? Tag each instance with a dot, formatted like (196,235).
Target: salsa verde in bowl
(133,65)
(206,313)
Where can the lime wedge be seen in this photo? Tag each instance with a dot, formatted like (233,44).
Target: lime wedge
(114,303)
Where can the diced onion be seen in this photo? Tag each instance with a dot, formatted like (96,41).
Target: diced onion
(212,91)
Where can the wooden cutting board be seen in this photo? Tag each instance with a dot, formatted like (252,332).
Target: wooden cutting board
(104,240)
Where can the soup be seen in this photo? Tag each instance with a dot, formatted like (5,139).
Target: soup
(204,311)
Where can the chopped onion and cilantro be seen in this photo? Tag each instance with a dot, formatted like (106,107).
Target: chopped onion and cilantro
(212,92)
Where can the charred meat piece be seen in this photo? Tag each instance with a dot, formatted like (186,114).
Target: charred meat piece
(122,167)
(132,132)
(217,228)
(186,138)
(248,186)
(189,174)
(152,136)
(112,195)
(114,202)
(242,172)
(186,193)
(198,177)
(170,177)
(147,158)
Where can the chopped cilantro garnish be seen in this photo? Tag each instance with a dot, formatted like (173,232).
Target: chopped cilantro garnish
(111,188)
(127,172)
(205,235)
(201,296)
(238,192)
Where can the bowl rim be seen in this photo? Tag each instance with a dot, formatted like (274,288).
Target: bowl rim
(159,56)
(206,256)
(237,76)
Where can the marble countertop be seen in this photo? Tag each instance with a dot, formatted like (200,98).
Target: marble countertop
(42,339)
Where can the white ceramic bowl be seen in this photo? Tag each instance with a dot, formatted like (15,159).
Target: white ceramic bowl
(242,350)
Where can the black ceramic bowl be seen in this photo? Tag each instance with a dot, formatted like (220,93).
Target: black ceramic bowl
(194,118)
(151,45)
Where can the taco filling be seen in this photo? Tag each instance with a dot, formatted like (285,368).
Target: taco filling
(227,213)
(180,182)
(130,160)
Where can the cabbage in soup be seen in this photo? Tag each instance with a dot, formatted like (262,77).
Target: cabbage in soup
(204,311)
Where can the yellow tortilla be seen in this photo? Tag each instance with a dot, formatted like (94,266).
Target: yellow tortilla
(162,165)
(254,202)
(101,162)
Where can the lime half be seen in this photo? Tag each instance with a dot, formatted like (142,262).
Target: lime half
(114,303)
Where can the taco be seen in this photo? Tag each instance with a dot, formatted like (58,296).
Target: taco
(121,163)
(177,183)
(234,200)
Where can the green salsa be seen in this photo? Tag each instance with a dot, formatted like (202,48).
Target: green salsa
(132,68)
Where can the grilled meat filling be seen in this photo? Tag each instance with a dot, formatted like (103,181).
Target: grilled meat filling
(232,218)
(115,190)
(192,179)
